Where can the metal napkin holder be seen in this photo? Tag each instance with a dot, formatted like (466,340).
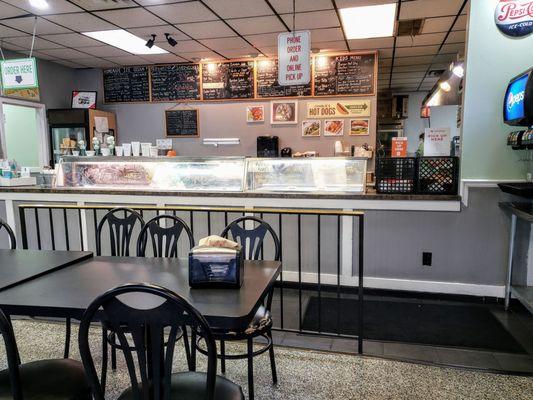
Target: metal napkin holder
(216,267)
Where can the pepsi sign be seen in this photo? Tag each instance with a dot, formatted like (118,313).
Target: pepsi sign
(514,17)
(518,100)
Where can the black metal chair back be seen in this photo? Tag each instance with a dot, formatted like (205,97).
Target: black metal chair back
(121,222)
(153,351)
(10,233)
(252,240)
(164,239)
(12,355)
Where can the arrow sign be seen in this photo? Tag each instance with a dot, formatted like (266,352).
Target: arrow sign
(18,79)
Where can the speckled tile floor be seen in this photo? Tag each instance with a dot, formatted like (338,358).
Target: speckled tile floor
(309,375)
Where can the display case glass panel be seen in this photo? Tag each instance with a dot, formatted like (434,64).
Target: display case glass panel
(323,174)
(225,174)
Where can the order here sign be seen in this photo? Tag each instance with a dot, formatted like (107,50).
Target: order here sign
(19,73)
(294,58)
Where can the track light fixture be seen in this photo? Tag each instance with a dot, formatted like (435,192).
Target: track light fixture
(150,42)
(171,41)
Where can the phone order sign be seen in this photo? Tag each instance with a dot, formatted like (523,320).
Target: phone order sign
(294,63)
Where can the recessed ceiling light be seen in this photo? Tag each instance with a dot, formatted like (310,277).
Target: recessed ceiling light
(125,41)
(40,4)
(458,71)
(368,21)
(445,86)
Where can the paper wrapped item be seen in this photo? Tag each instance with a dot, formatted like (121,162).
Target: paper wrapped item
(218,241)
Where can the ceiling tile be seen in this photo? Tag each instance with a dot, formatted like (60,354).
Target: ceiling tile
(429,8)
(376,43)
(207,30)
(285,7)
(72,40)
(460,24)
(127,60)
(39,54)
(82,22)
(410,68)
(95,62)
(44,27)
(54,7)
(326,34)
(385,62)
(69,64)
(313,20)
(385,53)
(256,25)
(92,5)
(40,44)
(335,45)
(66,54)
(445,58)
(413,60)
(9,32)
(160,31)
(238,53)
(232,43)
(456,37)
(239,8)
(130,17)
(416,51)
(263,40)
(157,2)
(420,40)
(441,24)
(179,13)
(189,46)
(201,54)
(162,58)
(10,46)
(453,48)
(8,11)
(408,75)
(104,51)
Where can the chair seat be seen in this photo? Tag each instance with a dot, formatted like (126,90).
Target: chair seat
(62,379)
(192,386)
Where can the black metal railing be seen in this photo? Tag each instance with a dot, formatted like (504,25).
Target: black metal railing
(305,263)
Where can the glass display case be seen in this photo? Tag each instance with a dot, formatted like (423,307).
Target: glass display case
(322,174)
(215,174)
(158,173)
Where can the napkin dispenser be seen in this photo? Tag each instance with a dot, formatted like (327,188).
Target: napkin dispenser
(215,266)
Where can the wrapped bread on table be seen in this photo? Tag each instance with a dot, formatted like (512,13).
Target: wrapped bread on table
(218,241)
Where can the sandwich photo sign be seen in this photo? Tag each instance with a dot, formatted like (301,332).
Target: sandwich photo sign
(338,109)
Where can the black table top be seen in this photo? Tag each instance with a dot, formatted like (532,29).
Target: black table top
(68,292)
(19,266)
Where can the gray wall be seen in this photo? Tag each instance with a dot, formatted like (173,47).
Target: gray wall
(145,122)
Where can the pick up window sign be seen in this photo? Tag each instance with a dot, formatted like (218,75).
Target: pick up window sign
(294,63)
(19,73)
(514,17)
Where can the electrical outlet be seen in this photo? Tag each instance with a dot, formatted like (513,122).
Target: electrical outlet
(427,259)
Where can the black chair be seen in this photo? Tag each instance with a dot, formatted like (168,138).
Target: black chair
(164,239)
(62,379)
(121,222)
(10,233)
(149,363)
(252,241)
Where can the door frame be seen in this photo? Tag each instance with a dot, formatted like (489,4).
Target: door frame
(42,132)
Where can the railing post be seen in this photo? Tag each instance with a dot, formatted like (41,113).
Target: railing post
(23,231)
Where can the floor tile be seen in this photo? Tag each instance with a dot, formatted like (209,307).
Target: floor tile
(467,358)
(515,362)
(307,342)
(410,352)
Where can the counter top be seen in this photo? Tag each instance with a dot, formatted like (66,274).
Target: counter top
(370,195)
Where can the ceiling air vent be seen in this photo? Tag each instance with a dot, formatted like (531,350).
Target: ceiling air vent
(410,27)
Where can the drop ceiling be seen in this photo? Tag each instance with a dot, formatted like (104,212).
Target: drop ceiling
(223,29)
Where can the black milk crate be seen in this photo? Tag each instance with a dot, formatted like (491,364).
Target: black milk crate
(438,175)
(396,175)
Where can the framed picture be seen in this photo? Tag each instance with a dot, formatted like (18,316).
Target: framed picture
(255,113)
(283,112)
(359,127)
(334,127)
(311,128)
(83,99)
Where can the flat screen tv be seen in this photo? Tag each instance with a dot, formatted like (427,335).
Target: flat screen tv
(518,103)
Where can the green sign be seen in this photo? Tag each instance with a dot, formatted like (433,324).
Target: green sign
(19,73)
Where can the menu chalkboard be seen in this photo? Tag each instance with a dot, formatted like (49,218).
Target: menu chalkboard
(345,75)
(175,82)
(229,80)
(268,86)
(181,123)
(126,84)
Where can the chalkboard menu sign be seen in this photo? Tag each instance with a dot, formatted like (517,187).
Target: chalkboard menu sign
(268,86)
(345,75)
(229,80)
(181,123)
(126,84)
(175,82)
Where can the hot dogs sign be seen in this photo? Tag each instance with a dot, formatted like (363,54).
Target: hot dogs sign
(514,17)
(342,108)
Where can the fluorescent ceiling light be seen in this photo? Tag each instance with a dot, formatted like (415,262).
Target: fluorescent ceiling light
(40,4)
(125,41)
(368,21)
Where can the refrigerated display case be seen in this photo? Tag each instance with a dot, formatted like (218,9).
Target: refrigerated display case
(215,174)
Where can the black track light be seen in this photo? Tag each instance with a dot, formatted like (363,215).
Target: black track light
(170,40)
(150,42)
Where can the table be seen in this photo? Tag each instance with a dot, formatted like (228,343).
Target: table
(69,291)
(19,266)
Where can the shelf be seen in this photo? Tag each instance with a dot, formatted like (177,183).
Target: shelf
(524,294)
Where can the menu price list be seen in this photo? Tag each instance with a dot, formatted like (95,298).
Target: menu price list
(181,122)
(230,80)
(345,75)
(175,82)
(126,84)
(268,86)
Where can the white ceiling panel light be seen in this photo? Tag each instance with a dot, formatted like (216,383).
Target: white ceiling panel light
(125,41)
(40,4)
(369,21)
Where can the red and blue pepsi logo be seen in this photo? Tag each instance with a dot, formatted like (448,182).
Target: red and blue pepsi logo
(514,17)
